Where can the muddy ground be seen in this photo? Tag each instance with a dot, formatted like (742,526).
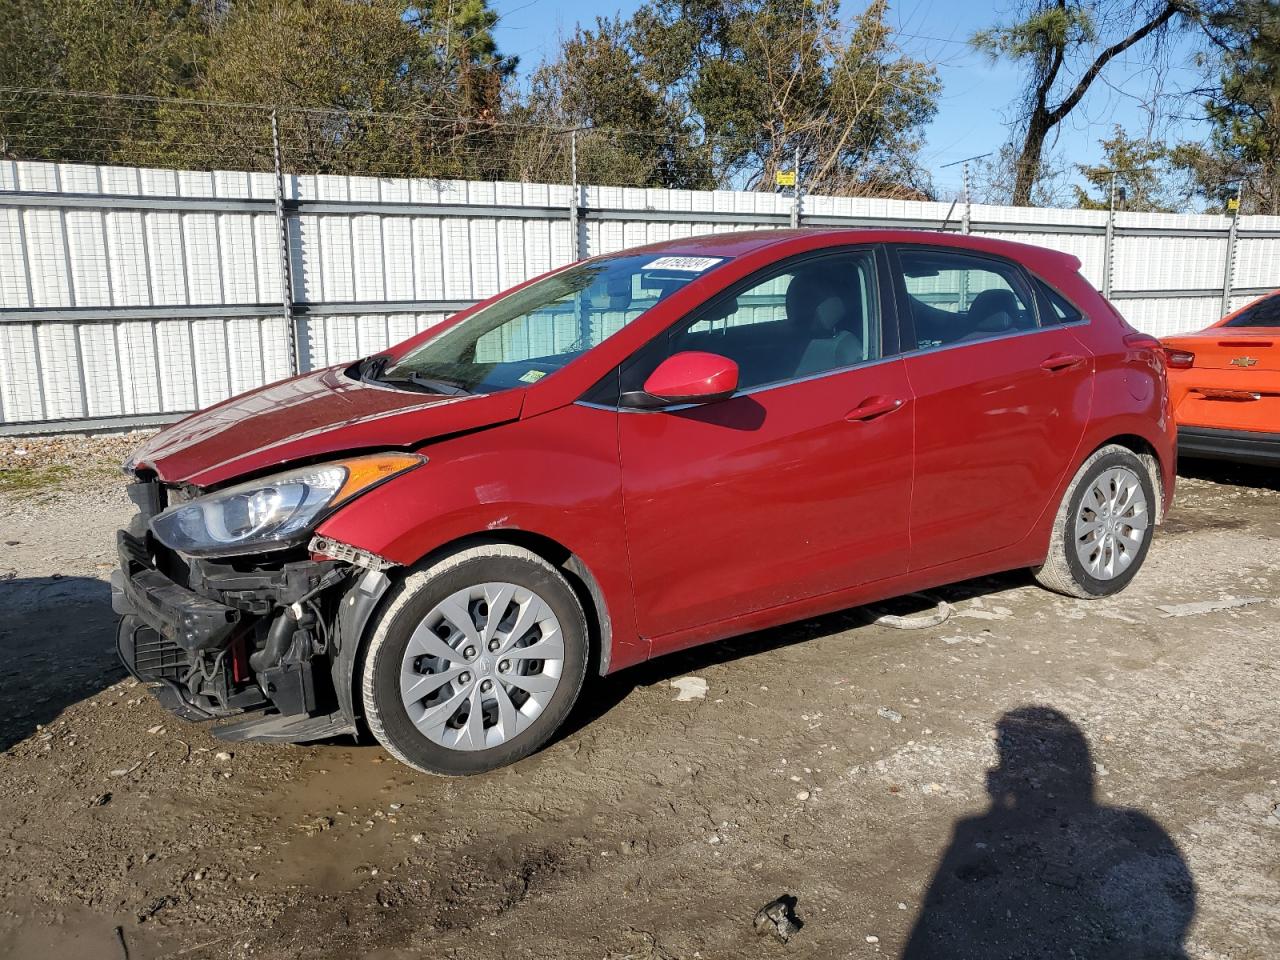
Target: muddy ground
(840,762)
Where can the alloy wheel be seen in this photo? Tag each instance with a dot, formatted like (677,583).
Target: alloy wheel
(1111,523)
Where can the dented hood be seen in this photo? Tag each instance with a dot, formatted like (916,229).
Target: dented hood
(310,417)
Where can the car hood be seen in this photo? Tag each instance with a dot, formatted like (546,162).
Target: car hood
(309,417)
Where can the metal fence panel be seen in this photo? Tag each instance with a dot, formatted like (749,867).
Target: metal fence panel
(128,294)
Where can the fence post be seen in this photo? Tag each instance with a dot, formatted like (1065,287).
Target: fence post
(964,221)
(795,194)
(1229,268)
(575,213)
(286,251)
(1110,240)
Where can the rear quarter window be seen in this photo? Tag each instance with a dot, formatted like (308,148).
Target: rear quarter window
(1054,307)
(1264,313)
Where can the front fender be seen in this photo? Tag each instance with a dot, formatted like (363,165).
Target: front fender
(555,476)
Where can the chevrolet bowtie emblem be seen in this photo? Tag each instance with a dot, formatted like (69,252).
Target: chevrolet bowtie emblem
(1244,361)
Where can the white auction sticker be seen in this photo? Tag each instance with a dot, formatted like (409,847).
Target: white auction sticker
(686,264)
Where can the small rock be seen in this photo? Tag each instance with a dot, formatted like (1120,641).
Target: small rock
(317,825)
(802,795)
(1206,606)
(778,918)
(690,688)
(158,728)
(872,938)
(223,755)
(416,838)
(893,716)
(101,800)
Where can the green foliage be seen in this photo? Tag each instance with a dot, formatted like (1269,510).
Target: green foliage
(148,47)
(630,133)
(1243,108)
(1140,166)
(739,87)
(1039,34)
(31,480)
(692,93)
(360,87)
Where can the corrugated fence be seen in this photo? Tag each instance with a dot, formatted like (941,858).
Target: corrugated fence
(130,296)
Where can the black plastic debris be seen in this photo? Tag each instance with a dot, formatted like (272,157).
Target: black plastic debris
(778,918)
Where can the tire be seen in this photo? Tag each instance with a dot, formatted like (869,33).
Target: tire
(434,611)
(1065,570)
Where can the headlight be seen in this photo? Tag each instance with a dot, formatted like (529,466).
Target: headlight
(272,512)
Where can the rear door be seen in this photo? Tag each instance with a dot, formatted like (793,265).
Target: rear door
(797,486)
(1002,400)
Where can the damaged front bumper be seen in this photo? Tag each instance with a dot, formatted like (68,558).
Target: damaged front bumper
(268,644)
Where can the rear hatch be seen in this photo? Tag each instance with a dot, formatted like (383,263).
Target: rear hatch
(1233,382)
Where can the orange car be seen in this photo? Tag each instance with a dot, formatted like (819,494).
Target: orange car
(1224,385)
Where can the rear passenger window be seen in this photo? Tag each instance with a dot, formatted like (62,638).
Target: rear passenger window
(818,315)
(1055,307)
(957,297)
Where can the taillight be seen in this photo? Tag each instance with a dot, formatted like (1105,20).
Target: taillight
(1142,341)
(1180,359)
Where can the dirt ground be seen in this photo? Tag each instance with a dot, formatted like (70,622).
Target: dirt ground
(848,764)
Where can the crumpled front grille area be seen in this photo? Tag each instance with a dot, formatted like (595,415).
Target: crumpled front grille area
(156,658)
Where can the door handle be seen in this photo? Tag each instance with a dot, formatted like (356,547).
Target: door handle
(1061,361)
(873,407)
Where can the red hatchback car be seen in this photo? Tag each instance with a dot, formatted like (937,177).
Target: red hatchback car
(629,456)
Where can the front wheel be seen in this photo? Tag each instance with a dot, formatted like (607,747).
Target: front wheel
(475,662)
(1103,528)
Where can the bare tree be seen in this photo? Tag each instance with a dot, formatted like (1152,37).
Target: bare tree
(1061,43)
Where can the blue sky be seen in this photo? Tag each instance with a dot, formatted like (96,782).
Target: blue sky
(976,94)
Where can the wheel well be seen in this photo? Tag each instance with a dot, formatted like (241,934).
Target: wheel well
(599,626)
(1150,459)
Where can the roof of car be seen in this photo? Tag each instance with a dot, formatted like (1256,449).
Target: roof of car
(738,243)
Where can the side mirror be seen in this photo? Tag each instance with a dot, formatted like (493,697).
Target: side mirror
(692,376)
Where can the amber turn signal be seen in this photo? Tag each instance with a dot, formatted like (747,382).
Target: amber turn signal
(365,472)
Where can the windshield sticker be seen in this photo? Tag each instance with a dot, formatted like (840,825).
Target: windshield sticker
(533,376)
(685,264)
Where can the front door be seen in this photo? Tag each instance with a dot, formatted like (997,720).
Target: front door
(797,486)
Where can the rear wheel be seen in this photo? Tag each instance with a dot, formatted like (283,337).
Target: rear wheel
(1103,528)
(475,662)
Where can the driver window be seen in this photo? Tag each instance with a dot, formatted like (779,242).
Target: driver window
(812,317)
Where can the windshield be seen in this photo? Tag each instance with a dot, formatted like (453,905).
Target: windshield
(535,331)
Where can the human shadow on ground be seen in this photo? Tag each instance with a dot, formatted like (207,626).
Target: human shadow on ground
(1048,873)
(57,647)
